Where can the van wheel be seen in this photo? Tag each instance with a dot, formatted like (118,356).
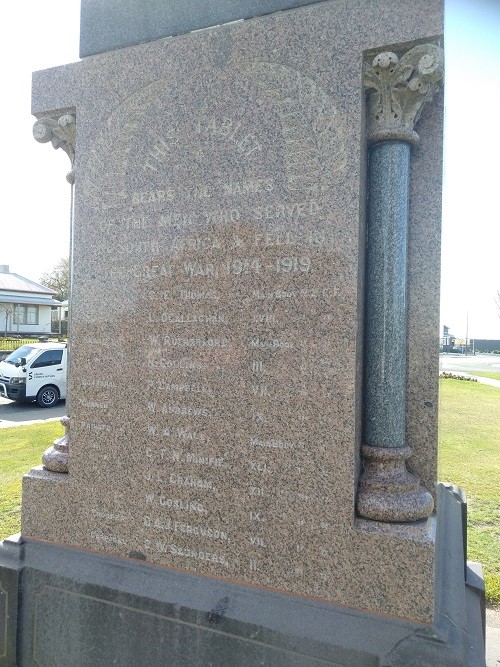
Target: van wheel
(47,397)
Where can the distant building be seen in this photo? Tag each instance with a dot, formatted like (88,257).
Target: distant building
(486,345)
(25,306)
(447,342)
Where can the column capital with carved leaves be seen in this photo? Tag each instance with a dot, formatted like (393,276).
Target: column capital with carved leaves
(399,88)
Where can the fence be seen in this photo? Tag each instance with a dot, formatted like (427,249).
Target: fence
(7,344)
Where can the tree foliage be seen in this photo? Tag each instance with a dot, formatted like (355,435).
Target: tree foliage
(58,279)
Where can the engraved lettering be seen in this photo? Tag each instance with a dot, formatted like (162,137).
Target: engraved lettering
(195,269)
(257,541)
(95,428)
(264,318)
(96,405)
(293,264)
(274,344)
(152,197)
(206,556)
(159,153)
(168,525)
(252,564)
(153,271)
(248,144)
(219,217)
(175,220)
(274,444)
(181,410)
(191,482)
(211,461)
(240,267)
(253,186)
(179,504)
(260,390)
(258,466)
(179,364)
(101,384)
(196,295)
(162,385)
(108,516)
(108,539)
(181,318)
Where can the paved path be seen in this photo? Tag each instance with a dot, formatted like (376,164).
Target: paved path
(493,637)
(13,413)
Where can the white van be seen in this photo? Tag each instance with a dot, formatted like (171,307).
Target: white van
(35,372)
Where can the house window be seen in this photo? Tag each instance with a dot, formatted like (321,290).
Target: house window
(25,314)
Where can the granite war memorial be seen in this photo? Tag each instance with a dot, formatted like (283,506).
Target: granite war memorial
(251,474)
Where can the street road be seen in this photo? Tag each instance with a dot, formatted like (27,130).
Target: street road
(12,413)
(469,363)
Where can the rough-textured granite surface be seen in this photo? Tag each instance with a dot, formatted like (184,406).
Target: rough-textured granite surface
(215,368)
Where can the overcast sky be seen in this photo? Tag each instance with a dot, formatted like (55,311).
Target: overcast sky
(34,234)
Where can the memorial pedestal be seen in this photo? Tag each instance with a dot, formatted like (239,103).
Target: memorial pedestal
(80,608)
(216,381)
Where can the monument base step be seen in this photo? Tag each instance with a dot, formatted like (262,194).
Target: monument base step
(62,606)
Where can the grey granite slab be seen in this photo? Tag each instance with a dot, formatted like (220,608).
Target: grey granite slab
(113,24)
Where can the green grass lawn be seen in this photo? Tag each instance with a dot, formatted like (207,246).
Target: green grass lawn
(469,456)
(21,448)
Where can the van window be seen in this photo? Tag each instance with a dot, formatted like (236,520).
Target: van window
(25,351)
(48,358)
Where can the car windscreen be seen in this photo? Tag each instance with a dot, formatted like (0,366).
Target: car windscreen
(25,351)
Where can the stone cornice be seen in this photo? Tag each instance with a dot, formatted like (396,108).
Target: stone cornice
(61,131)
(398,88)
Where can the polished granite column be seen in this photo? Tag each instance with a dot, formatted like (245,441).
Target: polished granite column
(398,89)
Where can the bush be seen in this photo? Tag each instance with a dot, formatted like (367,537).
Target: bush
(452,376)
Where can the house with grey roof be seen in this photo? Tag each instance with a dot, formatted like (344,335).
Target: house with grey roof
(25,306)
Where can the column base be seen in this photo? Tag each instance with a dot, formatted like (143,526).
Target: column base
(387,491)
(56,457)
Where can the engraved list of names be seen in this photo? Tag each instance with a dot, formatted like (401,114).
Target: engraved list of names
(219,237)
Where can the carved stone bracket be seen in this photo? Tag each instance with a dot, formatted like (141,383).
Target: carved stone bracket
(398,90)
(56,458)
(61,131)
